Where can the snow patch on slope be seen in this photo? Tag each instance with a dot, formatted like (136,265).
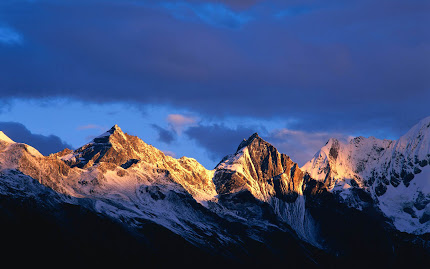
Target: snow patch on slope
(5,138)
(393,172)
(296,215)
(234,162)
(400,204)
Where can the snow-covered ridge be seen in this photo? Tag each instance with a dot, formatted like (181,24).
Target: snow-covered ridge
(129,180)
(113,151)
(117,168)
(393,172)
(254,163)
(125,177)
(258,168)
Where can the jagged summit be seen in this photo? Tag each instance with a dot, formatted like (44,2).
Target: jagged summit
(246,142)
(106,136)
(115,129)
(260,171)
(113,146)
(257,166)
(116,150)
(254,195)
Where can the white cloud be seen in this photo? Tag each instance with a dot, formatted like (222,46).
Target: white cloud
(169,153)
(90,126)
(179,122)
(301,146)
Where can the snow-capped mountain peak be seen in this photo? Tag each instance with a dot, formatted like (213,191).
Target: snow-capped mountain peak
(113,146)
(254,197)
(114,137)
(109,135)
(124,153)
(416,142)
(247,142)
(258,170)
(255,162)
(395,173)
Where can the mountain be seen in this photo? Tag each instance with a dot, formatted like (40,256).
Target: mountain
(150,201)
(396,174)
(118,199)
(257,168)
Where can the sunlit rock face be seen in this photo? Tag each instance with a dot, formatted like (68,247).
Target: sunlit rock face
(122,178)
(395,173)
(255,204)
(259,171)
(115,148)
(258,167)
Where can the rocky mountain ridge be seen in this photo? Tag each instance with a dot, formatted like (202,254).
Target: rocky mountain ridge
(255,204)
(395,173)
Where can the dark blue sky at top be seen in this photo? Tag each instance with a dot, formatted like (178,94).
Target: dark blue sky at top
(297,72)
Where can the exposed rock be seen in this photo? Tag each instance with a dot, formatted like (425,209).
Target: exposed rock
(395,181)
(258,167)
(425,218)
(380,189)
(417,170)
(410,211)
(422,201)
(129,163)
(375,164)
(408,178)
(334,149)
(256,204)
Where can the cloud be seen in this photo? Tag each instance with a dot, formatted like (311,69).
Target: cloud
(164,135)
(179,122)
(220,140)
(90,127)
(217,139)
(5,106)
(44,144)
(9,36)
(301,146)
(169,153)
(348,67)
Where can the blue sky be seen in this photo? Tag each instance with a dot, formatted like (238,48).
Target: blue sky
(195,77)
(77,123)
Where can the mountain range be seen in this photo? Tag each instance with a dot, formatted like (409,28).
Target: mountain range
(119,200)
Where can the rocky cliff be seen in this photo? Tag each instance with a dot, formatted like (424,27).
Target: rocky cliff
(256,203)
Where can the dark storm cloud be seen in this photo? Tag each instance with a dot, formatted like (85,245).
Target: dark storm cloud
(352,65)
(44,144)
(219,140)
(164,135)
